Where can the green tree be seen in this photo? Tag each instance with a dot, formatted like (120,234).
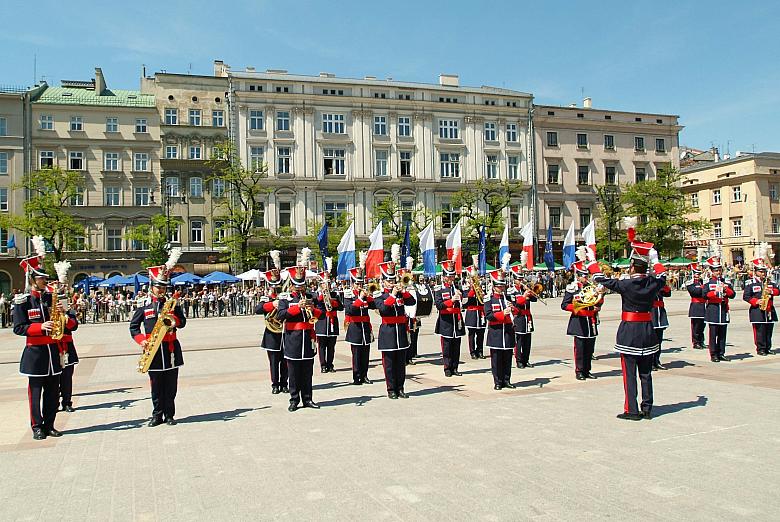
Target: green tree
(46,211)
(610,239)
(154,236)
(662,209)
(394,216)
(241,204)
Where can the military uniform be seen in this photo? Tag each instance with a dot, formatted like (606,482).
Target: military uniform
(716,314)
(414,327)
(272,344)
(660,322)
(327,330)
(761,320)
(500,337)
(583,327)
(475,322)
(359,333)
(524,327)
(449,326)
(70,359)
(695,288)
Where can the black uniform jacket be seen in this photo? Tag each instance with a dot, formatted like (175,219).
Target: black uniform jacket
(356,317)
(169,356)
(394,330)
(450,321)
(500,331)
(582,323)
(524,322)
(328,323)
(298,339)
(695,289)
(752,295)
(41,354)
(271,341)
(660,320)
(717,310)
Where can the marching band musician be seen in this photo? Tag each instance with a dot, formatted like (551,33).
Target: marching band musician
(40,360)
(449,325)
(717,292)
(636,339)
(523,322)
(660,323)
(475,313)
(411,313)
(394,330)
(164,369)
(327,327)
(357,303)
(499,313)
(423,295)
(762,320)
(582,322)
(272,341)
(67,348)
(298,339)
(697,307)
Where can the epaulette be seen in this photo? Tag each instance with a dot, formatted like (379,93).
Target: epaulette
(21,298)
(377,295)
(285,296)
(572,288)
(348,293)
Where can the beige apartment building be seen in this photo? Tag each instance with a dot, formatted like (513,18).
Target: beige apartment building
(112,137)
(580,148)
(193,113)
(337,147)
(741,199)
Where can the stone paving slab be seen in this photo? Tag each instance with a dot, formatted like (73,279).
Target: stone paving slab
(456,450)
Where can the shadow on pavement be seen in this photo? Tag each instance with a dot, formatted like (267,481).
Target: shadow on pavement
(330,385)
(357,401)
(105,392)
(609,373)
(113,426)
(548,362)
(671,365)
(674,349)
(116,404)
(219,415)
(666,409)
(477,370)
(740,356)
(537,382)
(438,389)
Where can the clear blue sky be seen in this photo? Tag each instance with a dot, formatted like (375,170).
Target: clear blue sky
(715,63)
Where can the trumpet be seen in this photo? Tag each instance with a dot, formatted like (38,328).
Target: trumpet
(372,288)
(325,290)
(406,280)
(535,290)
(305,305)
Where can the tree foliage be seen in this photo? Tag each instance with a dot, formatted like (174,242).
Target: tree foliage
(392,214)
(610,239)
(154,235)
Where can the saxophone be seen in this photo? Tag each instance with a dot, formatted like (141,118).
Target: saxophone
(57,317)
(163,325)
(477,286)
(763,303)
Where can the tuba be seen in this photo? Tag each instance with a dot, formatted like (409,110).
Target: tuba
(161,328)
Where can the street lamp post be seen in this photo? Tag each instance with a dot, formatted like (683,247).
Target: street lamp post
(609,196)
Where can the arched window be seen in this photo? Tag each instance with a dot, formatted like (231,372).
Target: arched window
(112,274)
(80,277)
(5,283)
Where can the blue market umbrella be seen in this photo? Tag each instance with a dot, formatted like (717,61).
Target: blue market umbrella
(219,278)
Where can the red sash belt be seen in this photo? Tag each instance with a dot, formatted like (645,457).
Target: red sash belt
(700,300)
(399,319)
(170,337)
(305,325)
(332,313)
(358,319)
(33,340)
(636,317)
(497,323)
(449,311)
(586,313)
(475,309)
(658,304)
(526,313)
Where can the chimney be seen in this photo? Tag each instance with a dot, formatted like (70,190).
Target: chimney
(449,80)
(715,153)
(100,81)
(220,69)
(587,103)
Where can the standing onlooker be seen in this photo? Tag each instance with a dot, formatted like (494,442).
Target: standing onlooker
(3,310)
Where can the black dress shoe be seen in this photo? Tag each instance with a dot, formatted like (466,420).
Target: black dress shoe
(170,421)
(155,421)
(497,387)
(473,355)
(51,432)
(580,376)
(366,380)
(482,356)
(456,373)
(528,365)
(39,434)
(761,352)
(724,358)
(392,395)
(402,394)
(323,370)
(647,415)
(659,367)
(68,408)
(589,375)
(292,407)
(274,390)
(311,404)
(447,373)
(357,383)
(518,365)
(285,389)
(629,416)
(714,358)
(509,385)
(412,362)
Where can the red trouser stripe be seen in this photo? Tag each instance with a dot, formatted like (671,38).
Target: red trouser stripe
(29,401)
(755,336)
(625,384)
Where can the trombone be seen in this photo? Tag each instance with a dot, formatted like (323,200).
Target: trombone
(534,291)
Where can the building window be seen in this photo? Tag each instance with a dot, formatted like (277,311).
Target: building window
(610,175)
(491,166)
(490,131)
(609,142)
(450,215)
(3,163)
(639,144)
(196,231)
(142,196)
(513,164)
(114,239)
(717,231)
(405,169)
(335,213)
(76,123)
(555,217)
(552,139)
(76,160)
(736,227)
(195,117)
(195,152)
(583,175)
(217,118)
(140,125)
(775,225)
(113,196)
(255,120)
(736,194)
(380,163)
(449,129)
(256,158)
(217,187)
(695,199)
(449,165)
(380,125)
(220,232)
(514,216)
(196,187)
(172,187)
(141,161)
(111,161)
(46,159)
(639,175)
(171,116)
(333,123)
(46,122)
(138,244)
(660,145)
(285,213)
(333,162)
(511,132)
(112,124)
(582,141)
(283,158)
(259,218)
(716,196)
(404,126)
(171,151)
(3,241)
(773,192)
(282,121)
(3,199)
(77,199)
(585,217)
(553,174)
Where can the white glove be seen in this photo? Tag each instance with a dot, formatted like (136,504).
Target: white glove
(653,255)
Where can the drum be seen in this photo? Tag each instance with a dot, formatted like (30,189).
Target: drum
(424,300)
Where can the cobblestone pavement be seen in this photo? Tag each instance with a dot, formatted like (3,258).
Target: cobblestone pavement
(551,449)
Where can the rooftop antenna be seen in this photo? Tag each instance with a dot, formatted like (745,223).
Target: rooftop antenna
(189,68)
(753,145)
(35,68)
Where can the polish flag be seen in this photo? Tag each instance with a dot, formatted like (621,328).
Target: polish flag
(346,250)
(376,252)
(569,248)
(589,235)
(454,247)
(503,247)
(528,243)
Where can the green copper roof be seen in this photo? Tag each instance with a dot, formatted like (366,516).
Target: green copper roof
(109,98)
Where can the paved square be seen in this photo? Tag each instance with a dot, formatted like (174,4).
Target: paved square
(456,450)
